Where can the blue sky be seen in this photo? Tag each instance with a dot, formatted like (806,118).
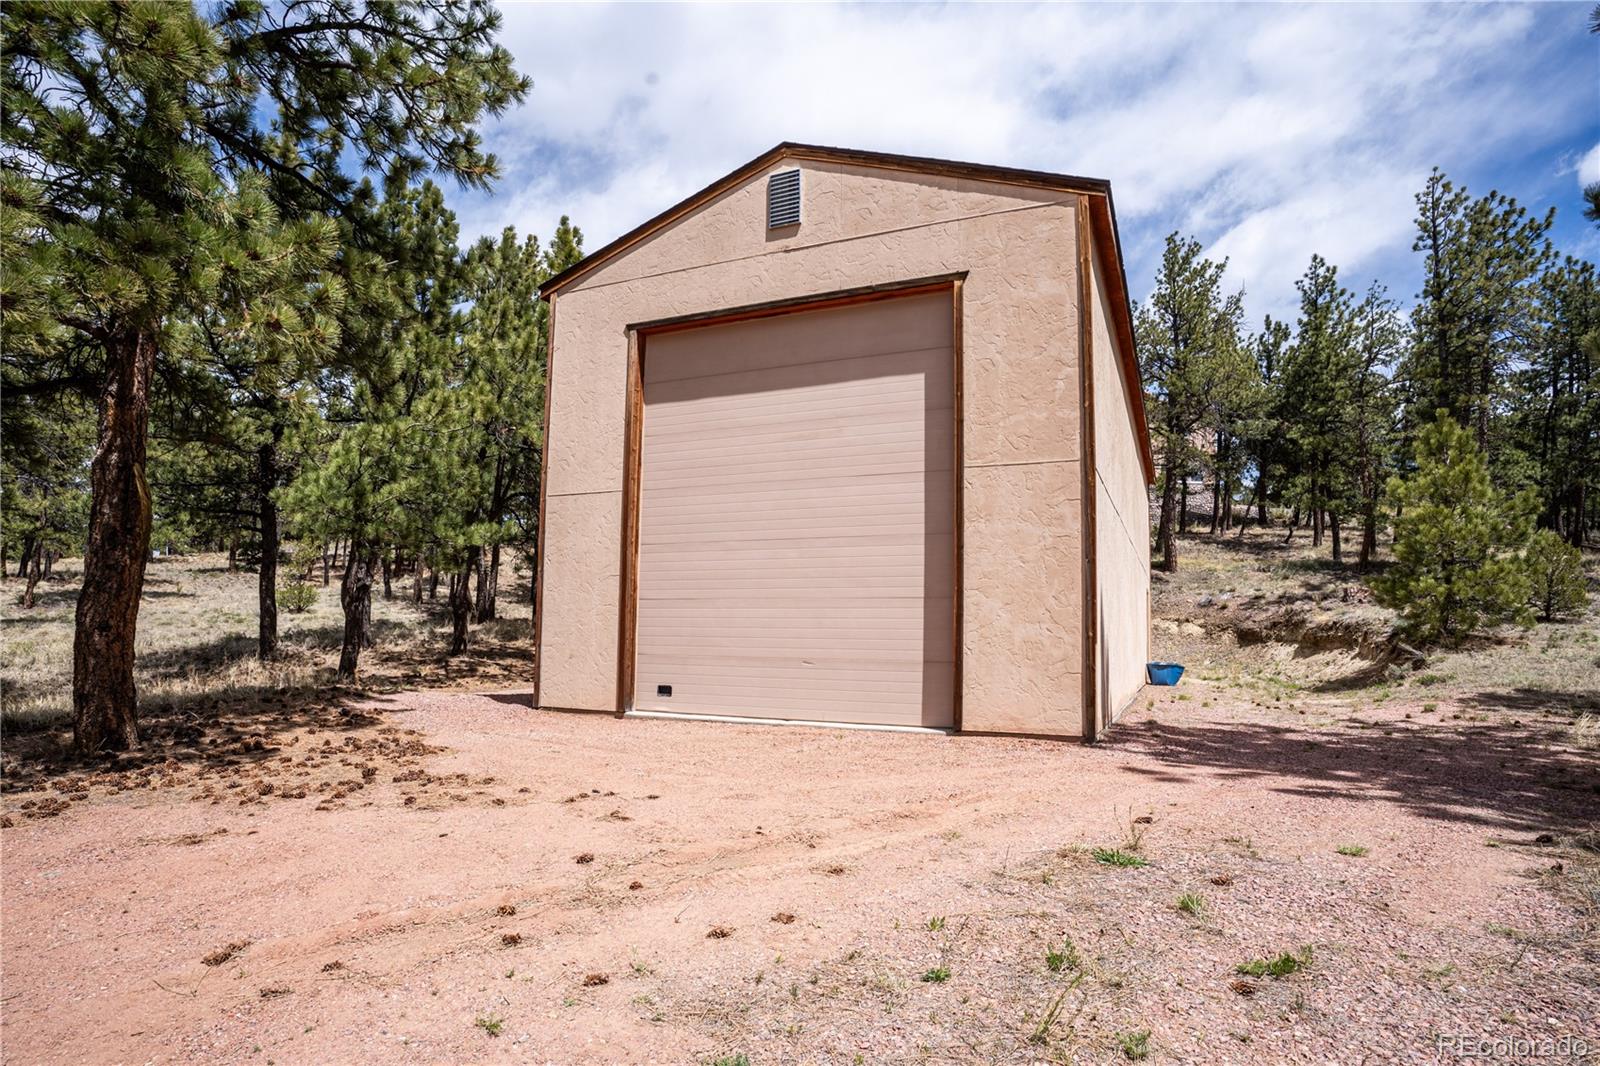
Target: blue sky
(1268,132)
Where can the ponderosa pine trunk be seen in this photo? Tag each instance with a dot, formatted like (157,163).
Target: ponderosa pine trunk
(488,584)
(35,571)
(267,585)
(324,564)
(388,589)
(1165,541)
(28,545)
(1369,536)
(355,596)
(1333,525)
(461,601)
(416,582)
(104,699)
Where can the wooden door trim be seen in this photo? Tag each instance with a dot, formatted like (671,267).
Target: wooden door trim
(633,440)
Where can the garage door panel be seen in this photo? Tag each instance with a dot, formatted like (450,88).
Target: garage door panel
(796,517)
(769,697)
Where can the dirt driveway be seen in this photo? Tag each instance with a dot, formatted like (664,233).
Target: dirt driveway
(510,885)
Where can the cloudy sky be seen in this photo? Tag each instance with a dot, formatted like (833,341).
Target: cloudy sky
(1269,132)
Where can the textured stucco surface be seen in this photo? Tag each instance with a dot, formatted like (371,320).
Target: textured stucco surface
(861,226)
(1122,521)
(1023,577)
(582,583)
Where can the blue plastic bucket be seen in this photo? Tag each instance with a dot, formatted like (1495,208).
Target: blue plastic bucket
(1164,673)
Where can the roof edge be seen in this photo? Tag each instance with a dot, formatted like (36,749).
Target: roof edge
(822,153)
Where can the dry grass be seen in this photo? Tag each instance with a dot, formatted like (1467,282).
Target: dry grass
(197,643)
(1285,623)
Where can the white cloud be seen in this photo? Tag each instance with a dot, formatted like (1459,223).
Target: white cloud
(1269,132)
(1589,167)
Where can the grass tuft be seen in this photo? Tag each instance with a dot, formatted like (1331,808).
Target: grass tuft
(1135,1046)
(1191,903)
(1355,851)
(1117,857)
(1285,964)
(1064,958)
(937,976)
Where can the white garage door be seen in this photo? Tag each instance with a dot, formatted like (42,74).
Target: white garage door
(796,515)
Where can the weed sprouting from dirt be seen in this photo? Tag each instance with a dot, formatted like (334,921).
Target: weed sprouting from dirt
(1192,903)
(1117,857)
(1052,1013)
(938,975)
(1063,958)
(1355,851)
(936,923)
(1283,965)
(1135,1046)
(489,1023)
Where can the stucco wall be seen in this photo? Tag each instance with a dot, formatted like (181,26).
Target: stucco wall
(862,226)
(1122,521)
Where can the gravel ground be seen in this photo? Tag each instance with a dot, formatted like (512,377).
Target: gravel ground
(449,877)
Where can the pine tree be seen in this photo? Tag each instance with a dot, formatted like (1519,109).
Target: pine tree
(127,124)
(1555,576)
(1184,329)
(1555,407)
(1378,338)
(1458,565)
(1317,394)
(1473,316)
(1266,445)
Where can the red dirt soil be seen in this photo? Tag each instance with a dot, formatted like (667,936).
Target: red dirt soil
(772,890)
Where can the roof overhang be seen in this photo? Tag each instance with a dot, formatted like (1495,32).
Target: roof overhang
(1102,214)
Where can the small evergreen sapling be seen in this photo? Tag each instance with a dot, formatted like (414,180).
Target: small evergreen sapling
(1555,574)
(1458,542)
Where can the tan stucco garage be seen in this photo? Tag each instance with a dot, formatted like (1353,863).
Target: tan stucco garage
(850,438)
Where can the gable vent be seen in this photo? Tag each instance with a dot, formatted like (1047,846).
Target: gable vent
(783,199)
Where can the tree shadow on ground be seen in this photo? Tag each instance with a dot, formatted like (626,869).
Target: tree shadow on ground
(220,723)
(1503,776)
(1536,700)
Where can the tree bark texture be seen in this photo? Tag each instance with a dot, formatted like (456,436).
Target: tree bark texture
(104,700)
(267,585)
(461,601)
(355,596)
(1165,541)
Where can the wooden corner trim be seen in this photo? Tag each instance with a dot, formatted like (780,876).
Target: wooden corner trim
(544,483)
(628,595)
(957,581)
(1086,510)
(820,301)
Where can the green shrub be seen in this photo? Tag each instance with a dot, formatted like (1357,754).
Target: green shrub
(297,597)
(1555,572)
(1458,547)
